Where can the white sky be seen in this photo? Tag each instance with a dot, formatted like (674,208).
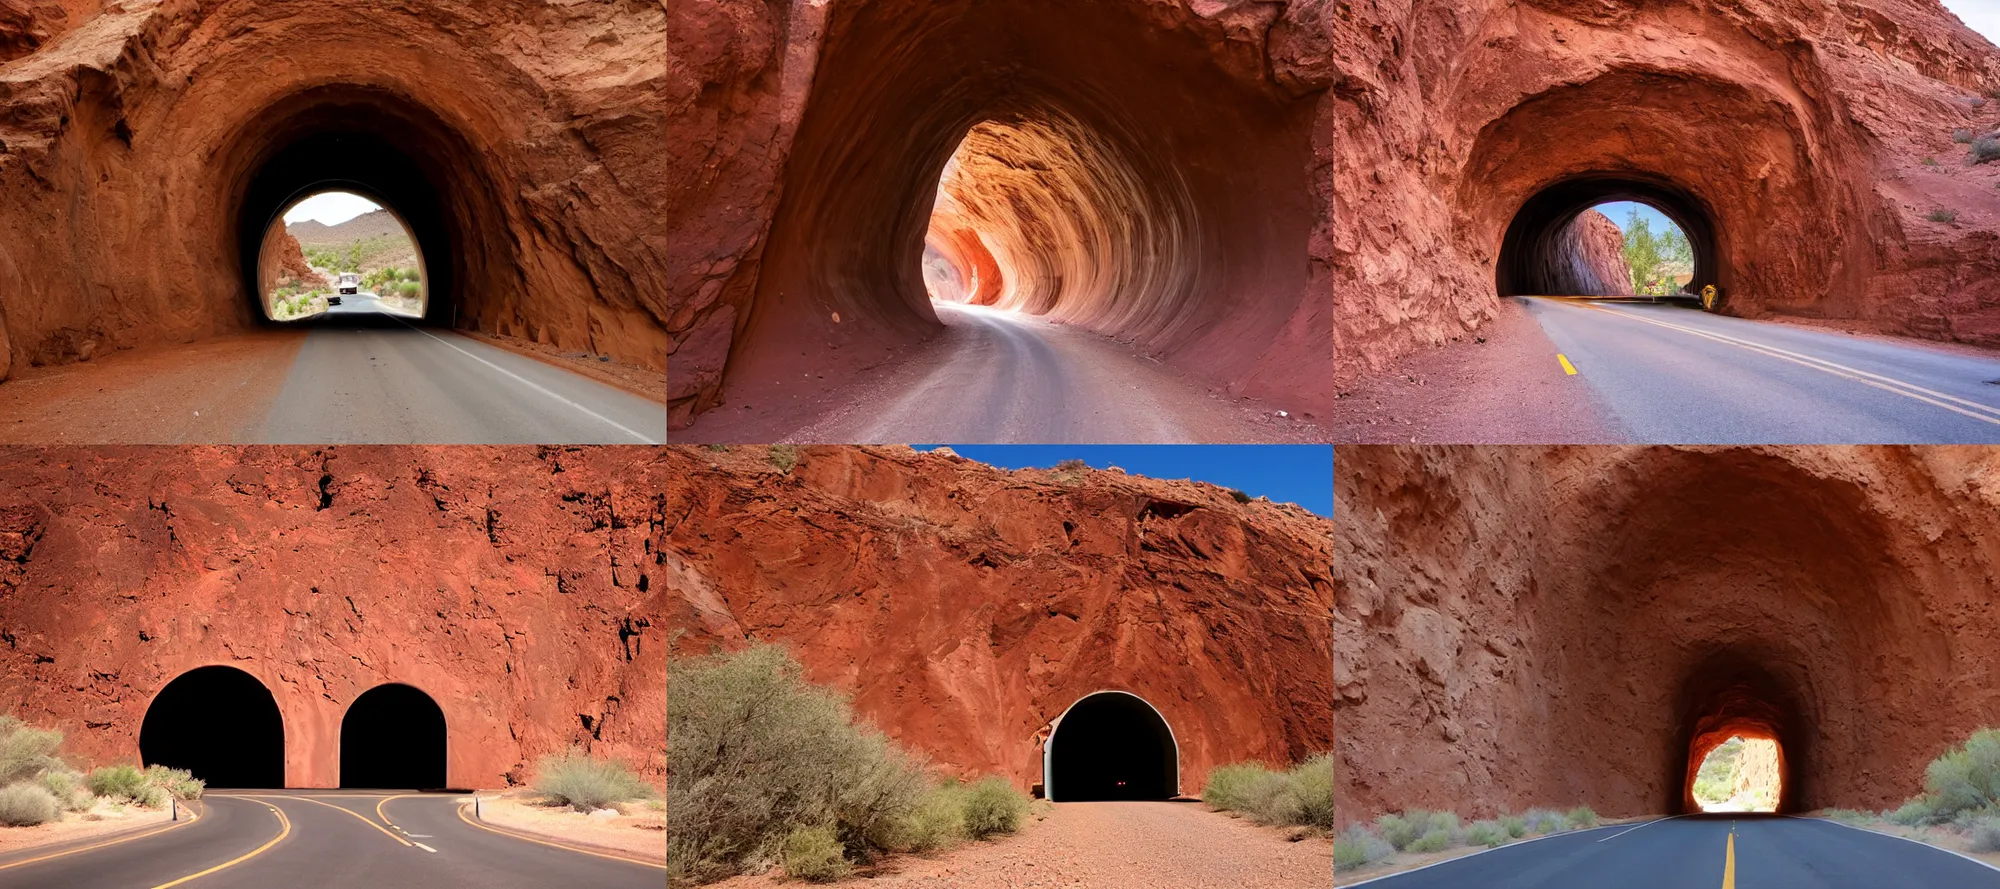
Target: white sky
(330,208)
(1979,15)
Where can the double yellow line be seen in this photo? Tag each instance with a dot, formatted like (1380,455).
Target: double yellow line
(1982,412)
(285,830)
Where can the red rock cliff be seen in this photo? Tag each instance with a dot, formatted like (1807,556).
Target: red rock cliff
(511,585)
(965,608)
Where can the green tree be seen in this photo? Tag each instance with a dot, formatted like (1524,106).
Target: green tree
(1655,258)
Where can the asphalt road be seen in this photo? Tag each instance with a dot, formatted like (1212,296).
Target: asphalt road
(332,840)
(368,376)
(1769,852)
(1670,374)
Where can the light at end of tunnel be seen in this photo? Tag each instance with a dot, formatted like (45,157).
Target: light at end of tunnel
(1740,775)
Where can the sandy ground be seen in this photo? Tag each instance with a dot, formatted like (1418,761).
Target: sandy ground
(76,826)
(150,396)
(639,381)
(1942,836)
(1111,846)
(640,832)
(991,377)
(1502,387)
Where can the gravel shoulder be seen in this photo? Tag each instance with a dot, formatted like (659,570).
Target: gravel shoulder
(79,826)
(638,831)
(204,392)
(1111,845)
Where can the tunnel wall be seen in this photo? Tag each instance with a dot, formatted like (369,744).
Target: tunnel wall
(965,608)
(1197,233)
(154,117)
(1546,626)
(518,588)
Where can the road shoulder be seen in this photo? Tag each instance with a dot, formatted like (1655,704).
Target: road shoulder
(636,833)
(18,844)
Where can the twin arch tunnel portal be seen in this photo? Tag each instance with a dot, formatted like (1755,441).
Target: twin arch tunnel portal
(224,726)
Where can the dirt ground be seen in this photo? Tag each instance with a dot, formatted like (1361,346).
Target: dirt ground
(1110,846)
(1504,386)
(149,396)
(1942,836)
(640,830)
(103,819)
(636,380)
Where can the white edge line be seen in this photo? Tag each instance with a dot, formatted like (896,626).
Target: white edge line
(1567,833)
(1647,824)
(424,847)
(1904,839)
(535,386)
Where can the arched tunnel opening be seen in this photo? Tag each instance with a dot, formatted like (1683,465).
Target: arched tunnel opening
(1111,746)
(219,723)
(390,150)
(1561,244)
(963,153)
(393,736)
(1745,740)
(338,253)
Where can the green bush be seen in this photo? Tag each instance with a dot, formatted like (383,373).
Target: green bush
(815,854)
(1302,796)
(1581,818)
(409,289)
(1942,215)
(1434,840)
(1985,834)
(1984,149)
(1515,825)
(937,821)
(1357,847)
(26,751)
(1966,777)
(1240,787)
(1239,496)
(585,783)
(1444,821)
(1962,136)
(755,753)
(26,805)
(783,457)
(121,782)
(1913,813)
(1849,816)
(1402,830)
(1930,162)
(993,806)
(178,783)
(1545,821)
(1486,833)
(68,788)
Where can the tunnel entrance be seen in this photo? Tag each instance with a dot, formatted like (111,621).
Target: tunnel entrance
(1746,739)
(1608,235)
(393,737)
(219,723)
(339,254)
(1111,745)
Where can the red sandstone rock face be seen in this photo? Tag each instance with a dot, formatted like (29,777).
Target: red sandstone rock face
(1590,258)
(518,588)
(1527,626)
(965,607)
(281,261)
(149,144)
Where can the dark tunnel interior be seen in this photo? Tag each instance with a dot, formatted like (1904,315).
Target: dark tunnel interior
(1112,746)
(393,737)
(219,723)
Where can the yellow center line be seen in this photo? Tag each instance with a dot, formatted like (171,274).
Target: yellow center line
(356,815)
(384,815)
(1983,412)
(1568,368)
(1729,863)
(524,838)
(285,829)
(192,817)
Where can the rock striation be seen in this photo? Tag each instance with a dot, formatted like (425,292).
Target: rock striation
(1520,627)
(965,608)
(518,588)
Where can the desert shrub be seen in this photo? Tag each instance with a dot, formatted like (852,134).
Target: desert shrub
(1984,834)
(1849,816)
(1545,821)
(755,753)
(1962,136)
(1984,149)
(1446,822)
(1965,778)
(67,786)
(815,854)
(1433,840)
(1942,215)
(1515,826)
(783,457)
(1302,796)
(937,821)
(1239,787)
(26,805)
(1581,818)
(1915,812)
(1486,833)
(1930,162)
(585,783)
(1357,846)
(26,751)
(409,289)
(993,806)
(1239,496)
(120,781)
(1402,830)
(178,783)
(1307,796)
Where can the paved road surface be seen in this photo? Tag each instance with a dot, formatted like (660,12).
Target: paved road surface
(374,377)
(1770,852)
(330,840)
(1668,374)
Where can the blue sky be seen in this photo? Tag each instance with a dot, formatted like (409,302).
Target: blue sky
(1979,15)
(1301,474)
(1619,210)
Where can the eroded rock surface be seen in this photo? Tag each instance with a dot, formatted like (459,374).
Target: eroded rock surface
(1518,627)
(145,146)
(518,588)
(965,607)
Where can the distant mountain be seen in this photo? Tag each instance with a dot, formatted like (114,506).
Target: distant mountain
(374,224)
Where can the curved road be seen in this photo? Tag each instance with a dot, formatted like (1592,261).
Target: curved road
(338,840)
(1672,374)
(1704,852)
